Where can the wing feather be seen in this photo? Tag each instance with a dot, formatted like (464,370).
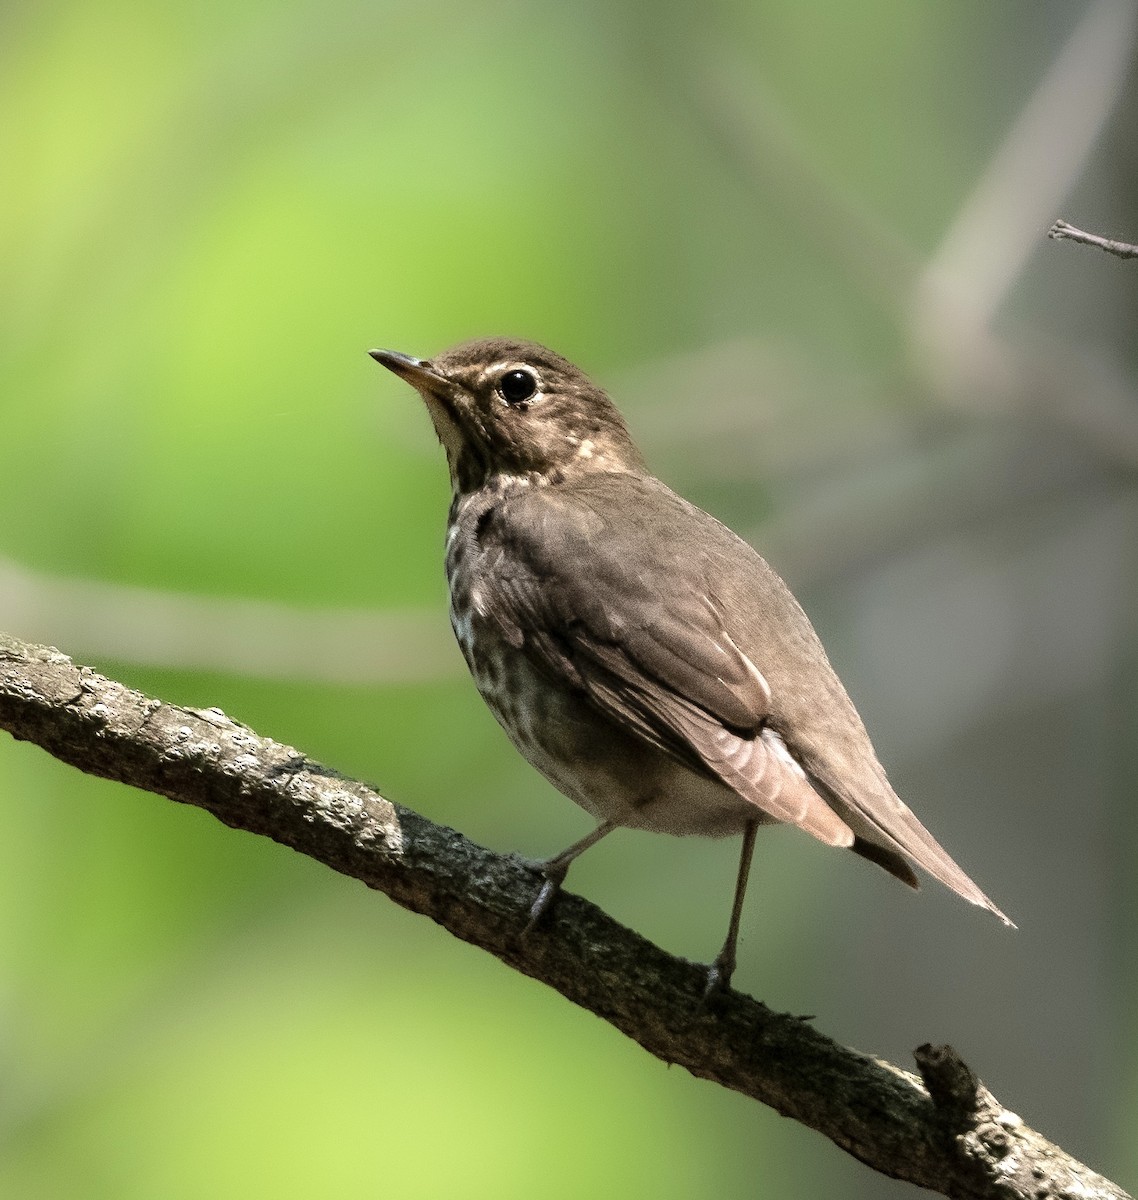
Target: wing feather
(668,671)
(722,670)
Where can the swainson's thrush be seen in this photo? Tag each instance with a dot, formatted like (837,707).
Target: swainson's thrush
(644,658)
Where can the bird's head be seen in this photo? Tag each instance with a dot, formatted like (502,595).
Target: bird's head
(506,407)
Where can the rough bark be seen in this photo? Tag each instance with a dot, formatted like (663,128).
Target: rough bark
(947,1133)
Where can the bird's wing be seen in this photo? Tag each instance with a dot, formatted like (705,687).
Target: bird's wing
(571,588)
(673,625)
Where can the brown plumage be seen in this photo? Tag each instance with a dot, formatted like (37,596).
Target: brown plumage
(643,657)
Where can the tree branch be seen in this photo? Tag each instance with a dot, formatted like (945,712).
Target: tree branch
(1061,230)
(950,1135)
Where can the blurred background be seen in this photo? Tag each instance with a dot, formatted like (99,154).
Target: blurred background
(804,247)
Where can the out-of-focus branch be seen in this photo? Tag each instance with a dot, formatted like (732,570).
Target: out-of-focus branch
(949,1135)
(948,305)
(1036,163)
(259,638)
(1061,231)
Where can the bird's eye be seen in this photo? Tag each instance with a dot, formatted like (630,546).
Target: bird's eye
(516,387)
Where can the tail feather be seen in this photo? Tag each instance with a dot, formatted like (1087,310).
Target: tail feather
(895,839)
(897,866)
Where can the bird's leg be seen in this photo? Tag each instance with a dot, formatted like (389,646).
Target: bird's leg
(555,869)
(720,972)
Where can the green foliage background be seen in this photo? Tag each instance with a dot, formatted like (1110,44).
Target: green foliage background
(209,213)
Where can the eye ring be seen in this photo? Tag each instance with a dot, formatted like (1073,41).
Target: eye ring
(517,386)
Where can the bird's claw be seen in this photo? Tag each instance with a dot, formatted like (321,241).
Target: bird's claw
(718,980)
(554,876)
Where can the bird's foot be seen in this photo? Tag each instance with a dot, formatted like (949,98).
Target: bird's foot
(554,872)
(718,978)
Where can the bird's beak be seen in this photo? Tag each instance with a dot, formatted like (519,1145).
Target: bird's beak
(441,396)
(417,371)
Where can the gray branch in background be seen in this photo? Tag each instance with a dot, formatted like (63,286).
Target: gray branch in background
(260,638)
(948,1134)
(946,307)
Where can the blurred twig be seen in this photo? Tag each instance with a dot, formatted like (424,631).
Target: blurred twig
(258,638)
(966,361)
(1034,166)
(950,1135)
(1061,231)
(740,115)
(947,306)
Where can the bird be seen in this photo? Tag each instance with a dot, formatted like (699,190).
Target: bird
(642,656)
